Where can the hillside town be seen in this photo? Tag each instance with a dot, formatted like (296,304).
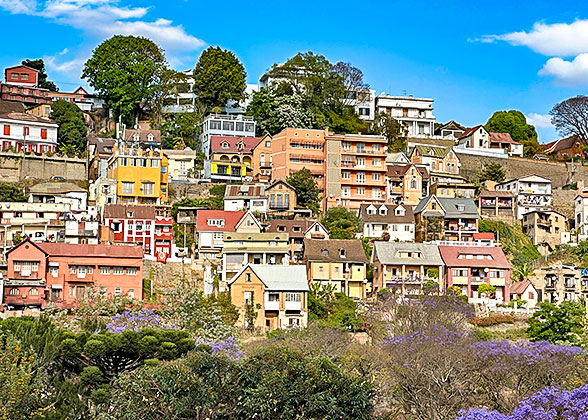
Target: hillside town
(304,202)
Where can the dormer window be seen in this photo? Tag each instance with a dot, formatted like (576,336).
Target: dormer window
(225,145)
(240,146)
(325,252)
(136,136)
(383,211)
(130,214)
(150,137)
(281,228)
(342,253)
(460,207)
(296,228)
(400,211)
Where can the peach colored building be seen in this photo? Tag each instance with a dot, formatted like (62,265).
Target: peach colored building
(64,273)
(262,160)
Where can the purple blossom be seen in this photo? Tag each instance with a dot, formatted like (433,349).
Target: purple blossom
(136,321)
(228,347)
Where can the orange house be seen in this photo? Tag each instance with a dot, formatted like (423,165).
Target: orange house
(64,273)
(262,160)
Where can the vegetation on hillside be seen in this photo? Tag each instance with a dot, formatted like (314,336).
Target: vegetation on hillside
(518,247)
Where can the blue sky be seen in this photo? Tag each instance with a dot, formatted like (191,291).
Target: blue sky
(471,58)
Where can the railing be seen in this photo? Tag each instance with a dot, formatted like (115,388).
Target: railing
(273,305)
(293,305)
(410,279)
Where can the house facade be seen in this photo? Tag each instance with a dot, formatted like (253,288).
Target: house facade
(581,215)
(524,290)
(562,283)
(531,193)
(230,158)
(497,205)
(181,164)
(298,230)
(21,86)
(21,131)
(246,197)
(281,197)
(406,183)
(262,160)
(236,125)
(450,219)
(437,159)
(397,220)
(547,229)
(416,114)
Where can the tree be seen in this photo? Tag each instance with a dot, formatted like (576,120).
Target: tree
(72,128)
(275,112)
(307,192)
(219,77)
(514,123)
(487,289)
(493,172)
(352,78)
(180,130)
(563,323)
(570,117)
(11,193)
(39,65)
(341,223)
(127,71)
(393,130)
(250,317)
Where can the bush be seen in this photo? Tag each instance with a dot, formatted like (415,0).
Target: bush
(494,319)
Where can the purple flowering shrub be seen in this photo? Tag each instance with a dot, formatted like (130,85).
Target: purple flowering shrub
(136,321)
(548,404)
(228,347)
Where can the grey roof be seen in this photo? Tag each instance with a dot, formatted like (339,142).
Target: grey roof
(281,277)
(387,253)
(450,206)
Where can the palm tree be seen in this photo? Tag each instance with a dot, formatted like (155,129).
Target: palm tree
(524,271)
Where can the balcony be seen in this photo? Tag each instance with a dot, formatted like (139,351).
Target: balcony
(293,306)
(273,305)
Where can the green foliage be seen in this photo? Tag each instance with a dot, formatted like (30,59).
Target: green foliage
(307,192)
(333,310)
(341,223)
(250,317)
(274,112)
(493,172)
(180,130)
(222,300)
(488,289)
(514,123)
(219,77)
(431,287)
(12,192)
(127,71)
(394,131)
(182,238)
(558,324)
(39,65)
(72,128)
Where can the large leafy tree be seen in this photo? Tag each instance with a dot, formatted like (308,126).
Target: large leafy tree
(39,65)
(307,192)
(219,77)
(274,112)
(558,324)
(492,171)
(11,193)
(393,130)
(341,223)
(514,123)
(570,117)
(72,130)
(127,71)
(180,130)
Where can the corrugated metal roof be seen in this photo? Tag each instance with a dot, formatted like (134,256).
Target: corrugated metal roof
(389,253)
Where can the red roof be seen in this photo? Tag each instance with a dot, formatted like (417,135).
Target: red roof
(502,138)
(484,236)
(469,131)
(451,256)
(86,250)
(232,144)
(519,287)
(231,218)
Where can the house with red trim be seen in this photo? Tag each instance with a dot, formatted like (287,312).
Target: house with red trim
(22,131)
(39,273)
(21,86)
(230,158)
(478,138)
(468,267)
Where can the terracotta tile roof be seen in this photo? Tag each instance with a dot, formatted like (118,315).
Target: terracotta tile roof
(451,254)
(323,250)
(248,144)
(389,217)
(231,218)
(484,236)
(488,193)
(502,138)
(121,211)
(519,287)
(469,131)
(21,116)
(397,171)
(86,250)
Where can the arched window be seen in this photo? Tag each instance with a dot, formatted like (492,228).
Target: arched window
(14,292)
(34,292)
(413,184)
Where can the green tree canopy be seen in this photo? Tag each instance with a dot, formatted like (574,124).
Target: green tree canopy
(307,192)
(127,71)
(219,77)
(341,223)
(39,65)
(393,130)
(514,123)
(72,132)
(11,193)
(274,112)
(493,172)
(563,323)
(180,130)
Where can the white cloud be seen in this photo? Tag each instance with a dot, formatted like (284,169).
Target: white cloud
(557,39)
(539,120)
(568,73)
(18,6)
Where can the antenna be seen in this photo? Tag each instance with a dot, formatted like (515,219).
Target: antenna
(403,92)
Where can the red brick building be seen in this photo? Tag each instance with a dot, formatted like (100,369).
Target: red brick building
(21,86)
(64,273)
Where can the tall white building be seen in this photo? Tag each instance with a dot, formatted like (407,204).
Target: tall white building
(531,193)
(415,113)
(235,125)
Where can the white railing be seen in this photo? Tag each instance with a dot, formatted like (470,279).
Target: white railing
(272,305)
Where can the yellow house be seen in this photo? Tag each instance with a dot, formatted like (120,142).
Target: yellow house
(339,264)
(141,175)
(278,295)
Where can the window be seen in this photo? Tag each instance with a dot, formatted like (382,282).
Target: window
(248,277)
(73,269)
(249,127)
(376,177)
(248,298)
(360,190)
(346,145)
(14,291)
(81,270)
(360,148)
(342,253)
(123,161)
(14,76)
(531,295)
(44,133)
(460,207)
(118,271)
(360,179)
(346,192)
(360,162)
(346,175)
(376,147)
(131,293)
(267,143)
(117,291)
(53,271)
(460,273)
(155,163)
(6,130)
(293,297)
(147,188)
(164,169)
(128,187)
(376,162)
(72,291)
(104,270)
(413,184)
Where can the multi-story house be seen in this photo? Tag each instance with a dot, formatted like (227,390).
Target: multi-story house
(262,160)
(452,189)
(479,139)
(397,220)
(405,267)
(416,114)
(141,175)
(450,219)
(407,183)
(145,137)
(225,125)
(278,294)
(212,224)
(85,101)
(562,283)
(451,130)
(21,131)
(281,197)
(230,158)
(21,85)
(547,229)
(339,264)
(438,159)
(581,215)
(470,266)
(180,164)
(497,205)
(99,151)
(65,273)
(355,170)
(363,101)
(531,193)
(240,249)
(139,225)
(59,192)
(566,148)
(246,197)
(298,230)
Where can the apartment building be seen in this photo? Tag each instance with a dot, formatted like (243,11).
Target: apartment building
(450,219)
(141,175)
(21,86)
(298,230)
(339,264)
(531,193)
(406,183)
(406,267)
(497,205)
(397,220)
(227,125)
(65,273)
(278,294)
(562,283)
(470,266)
(22,131)
(547,229)
(416,114)
(181,165)
(355,170)
(262,160)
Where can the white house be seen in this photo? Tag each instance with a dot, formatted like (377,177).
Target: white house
(531,193)
(27,132)
(246,197)
(235,125)
(415,113)
(479,139)
(524,290)
(581,215)
(395,219)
